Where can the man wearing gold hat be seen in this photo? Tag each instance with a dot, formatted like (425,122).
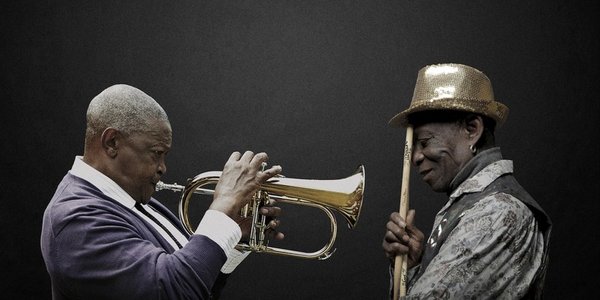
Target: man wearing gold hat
(491,238)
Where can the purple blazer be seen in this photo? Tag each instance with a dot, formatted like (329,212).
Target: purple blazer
(95,248)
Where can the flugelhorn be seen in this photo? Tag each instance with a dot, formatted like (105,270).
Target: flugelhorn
(342,195)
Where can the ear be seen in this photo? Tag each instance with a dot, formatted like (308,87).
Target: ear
(474,127)
(110,140)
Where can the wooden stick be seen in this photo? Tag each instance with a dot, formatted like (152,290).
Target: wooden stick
(401,261)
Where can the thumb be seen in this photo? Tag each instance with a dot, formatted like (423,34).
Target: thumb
(410,217)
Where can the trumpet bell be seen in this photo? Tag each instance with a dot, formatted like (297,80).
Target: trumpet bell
(342,195)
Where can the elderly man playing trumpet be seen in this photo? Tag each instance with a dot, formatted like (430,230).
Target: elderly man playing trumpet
(490,240)
(105,237)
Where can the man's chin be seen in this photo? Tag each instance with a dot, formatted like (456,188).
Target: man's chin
(147,195)
(146,198)
(435,187)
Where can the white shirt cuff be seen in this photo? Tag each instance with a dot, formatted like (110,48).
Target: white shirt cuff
(234,258)
(220,228)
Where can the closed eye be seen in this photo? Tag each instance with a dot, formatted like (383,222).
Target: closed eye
(159,153)
(423,141)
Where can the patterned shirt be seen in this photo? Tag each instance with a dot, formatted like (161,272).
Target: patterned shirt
(492,253)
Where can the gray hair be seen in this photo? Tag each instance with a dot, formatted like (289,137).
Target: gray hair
(124,108)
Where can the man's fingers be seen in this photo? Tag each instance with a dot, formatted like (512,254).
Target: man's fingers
(258,159)
(396,218)
(247,157)
(277,235)
(393,249)
(267,174)
(270,211)
(235,156)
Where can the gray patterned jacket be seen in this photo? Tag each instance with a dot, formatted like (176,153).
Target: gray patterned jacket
(490,241)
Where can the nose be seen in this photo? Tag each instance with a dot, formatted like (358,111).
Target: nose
(417,156)
(162,167)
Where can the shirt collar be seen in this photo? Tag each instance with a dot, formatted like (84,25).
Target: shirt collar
(483,178)
(106,185)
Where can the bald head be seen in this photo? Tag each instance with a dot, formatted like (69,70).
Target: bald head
(124,108)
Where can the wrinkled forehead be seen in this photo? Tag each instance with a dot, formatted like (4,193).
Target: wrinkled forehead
(436,116)
(156,131)
(435,128)
(162,130)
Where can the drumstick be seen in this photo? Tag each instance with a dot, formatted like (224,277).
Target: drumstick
(401,261)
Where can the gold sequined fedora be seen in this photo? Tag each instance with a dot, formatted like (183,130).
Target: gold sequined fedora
(453,87)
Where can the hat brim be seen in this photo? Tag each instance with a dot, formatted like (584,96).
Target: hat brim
(492,109)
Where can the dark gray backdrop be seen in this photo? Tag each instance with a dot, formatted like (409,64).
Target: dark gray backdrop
(312,83)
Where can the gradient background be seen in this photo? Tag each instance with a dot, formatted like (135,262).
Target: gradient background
(313,84)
